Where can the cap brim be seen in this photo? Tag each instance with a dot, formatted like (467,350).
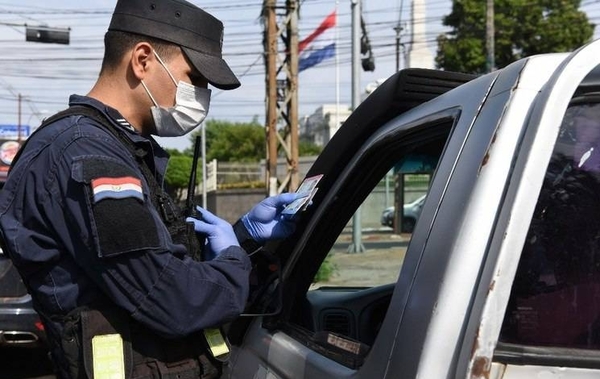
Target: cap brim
(214,69)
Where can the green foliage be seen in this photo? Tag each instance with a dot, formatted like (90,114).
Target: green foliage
(178,174)
(234,142)
(226,142)
(175,152)
(306,148)
(522,28)
(326,271)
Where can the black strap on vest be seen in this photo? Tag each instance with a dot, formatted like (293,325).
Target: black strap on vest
(146,355)
(173,217)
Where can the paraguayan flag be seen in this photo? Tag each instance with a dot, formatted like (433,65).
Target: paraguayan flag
(319,45)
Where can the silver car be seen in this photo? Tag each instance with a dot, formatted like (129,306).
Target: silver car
(410,215)
(20,325)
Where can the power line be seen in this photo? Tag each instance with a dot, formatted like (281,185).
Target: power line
(78,64)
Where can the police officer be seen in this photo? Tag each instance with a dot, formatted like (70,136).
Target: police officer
(102,249)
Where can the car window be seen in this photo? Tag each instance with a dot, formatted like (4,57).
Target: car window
(555,299)
(384,234)
(347,292)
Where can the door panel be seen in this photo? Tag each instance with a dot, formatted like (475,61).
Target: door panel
(542,308)
(428,323)
(354,165)
(331,326)
(276,355)
(297,343)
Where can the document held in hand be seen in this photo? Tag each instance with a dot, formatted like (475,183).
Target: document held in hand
(308,188)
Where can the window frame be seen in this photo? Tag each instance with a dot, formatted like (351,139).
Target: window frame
(310,252)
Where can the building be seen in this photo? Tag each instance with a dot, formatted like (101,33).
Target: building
(419,52)
(320,126)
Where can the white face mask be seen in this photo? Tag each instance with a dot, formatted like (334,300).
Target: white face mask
(190,109)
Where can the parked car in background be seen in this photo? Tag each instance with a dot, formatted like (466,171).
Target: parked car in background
(20,325)
(409,217)
(501,276)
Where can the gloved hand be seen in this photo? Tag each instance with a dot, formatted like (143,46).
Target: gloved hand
(219,233)
(265,221)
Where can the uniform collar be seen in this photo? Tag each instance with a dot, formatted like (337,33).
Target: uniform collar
(114,115)
(160,155)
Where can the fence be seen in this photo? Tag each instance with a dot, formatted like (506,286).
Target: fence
(251,175)
(231,203)
(231,174)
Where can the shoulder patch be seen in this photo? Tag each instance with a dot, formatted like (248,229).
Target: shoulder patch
(118,205)
(99,167)
(117,188)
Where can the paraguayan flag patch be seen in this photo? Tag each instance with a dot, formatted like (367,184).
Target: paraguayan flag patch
(117,188)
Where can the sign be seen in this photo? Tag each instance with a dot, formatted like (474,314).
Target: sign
(211,176)
(8,131)
(8,150)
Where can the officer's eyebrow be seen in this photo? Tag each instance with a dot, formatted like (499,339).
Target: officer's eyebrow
(196,77)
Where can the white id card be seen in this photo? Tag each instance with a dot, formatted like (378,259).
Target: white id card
(308,188)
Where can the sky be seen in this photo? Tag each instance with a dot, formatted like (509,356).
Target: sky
(44,75)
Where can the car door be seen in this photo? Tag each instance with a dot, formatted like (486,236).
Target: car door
(540,289)
(358,302)
(327,330)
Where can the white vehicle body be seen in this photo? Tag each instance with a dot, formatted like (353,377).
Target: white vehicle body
(448,313)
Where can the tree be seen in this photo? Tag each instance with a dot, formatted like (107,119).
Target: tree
(241,142)
(226,142)
(178,173)
(234,142)
(306,148)
(522,28)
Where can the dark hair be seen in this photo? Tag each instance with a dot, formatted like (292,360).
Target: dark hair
(117,43)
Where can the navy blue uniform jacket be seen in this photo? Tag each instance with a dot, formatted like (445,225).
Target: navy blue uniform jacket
(78,226)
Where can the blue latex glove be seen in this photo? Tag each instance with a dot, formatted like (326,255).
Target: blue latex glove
(265,221)
(219,233)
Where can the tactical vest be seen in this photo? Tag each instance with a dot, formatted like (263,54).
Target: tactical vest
(146,355)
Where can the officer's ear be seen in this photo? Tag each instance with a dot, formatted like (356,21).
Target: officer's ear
(140,59)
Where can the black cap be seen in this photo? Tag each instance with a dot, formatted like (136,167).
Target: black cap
(199,34)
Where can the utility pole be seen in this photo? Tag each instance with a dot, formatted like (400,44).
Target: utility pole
(270,41)
(19,100)
(489,36)
(292,7)
(398,29)
(281,92)
(356,246)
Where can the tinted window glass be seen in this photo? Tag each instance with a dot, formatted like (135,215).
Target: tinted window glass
(555,300)
(383,242)
(350,291)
